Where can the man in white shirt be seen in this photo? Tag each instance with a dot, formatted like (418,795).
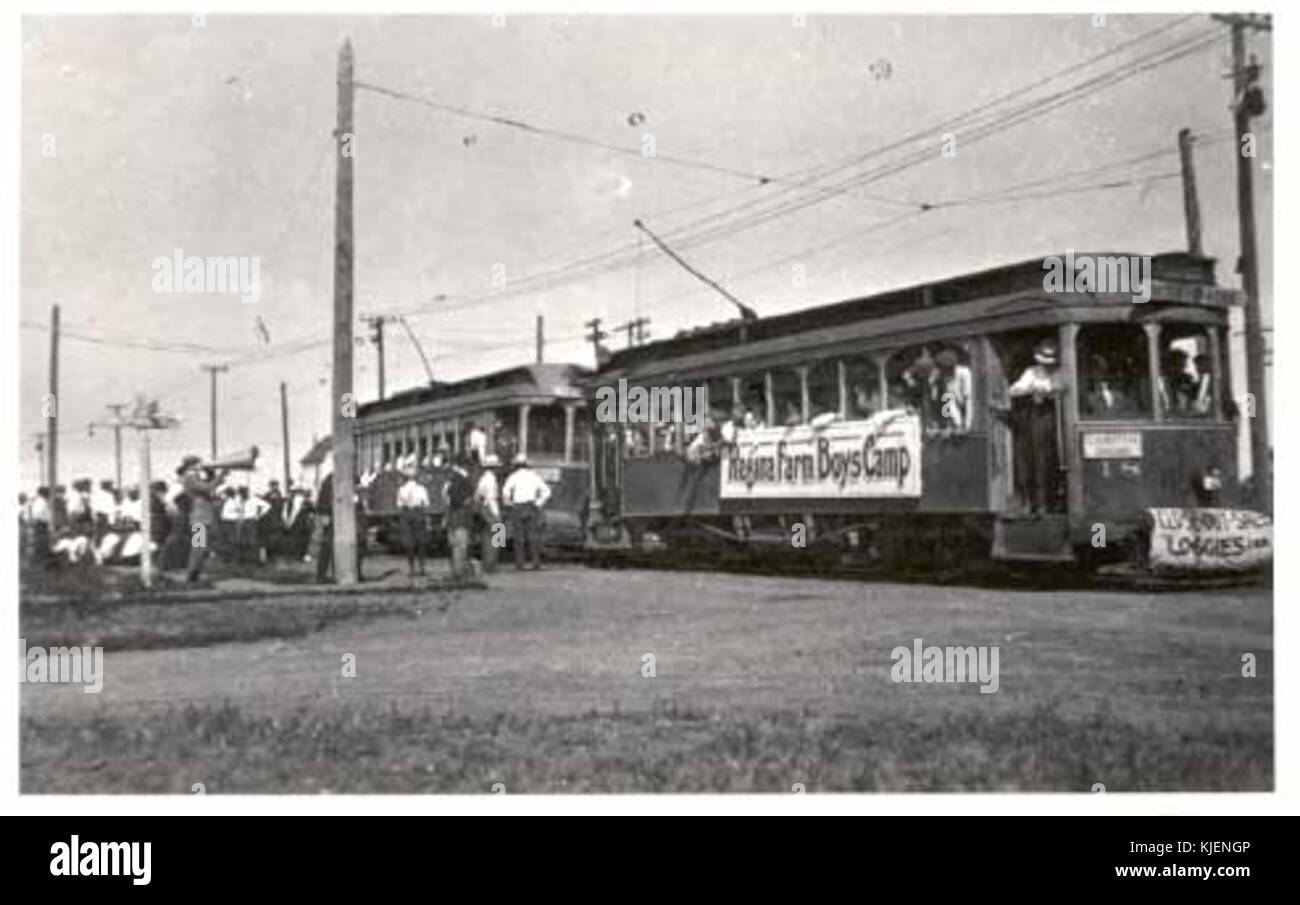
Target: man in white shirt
(412,504)
(487,494)
(526,493)
(477,443)
(1034,428)
(952,383)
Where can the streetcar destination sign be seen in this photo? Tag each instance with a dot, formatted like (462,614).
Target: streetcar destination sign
(879,457)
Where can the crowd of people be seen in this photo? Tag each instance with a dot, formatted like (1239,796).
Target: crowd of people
(106,525)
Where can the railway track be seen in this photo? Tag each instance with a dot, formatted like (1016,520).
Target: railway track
(833,565)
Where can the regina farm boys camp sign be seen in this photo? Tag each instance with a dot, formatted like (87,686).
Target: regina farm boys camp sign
(878,458)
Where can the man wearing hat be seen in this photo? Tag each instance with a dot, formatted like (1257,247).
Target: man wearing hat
(201,490)
(459,494)
(1034,414)
(412,504)
(526,493)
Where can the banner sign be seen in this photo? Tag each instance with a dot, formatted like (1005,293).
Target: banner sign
(1200,540)
(876,458)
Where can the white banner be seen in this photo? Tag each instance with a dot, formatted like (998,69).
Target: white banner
(880,457)
(1209,539)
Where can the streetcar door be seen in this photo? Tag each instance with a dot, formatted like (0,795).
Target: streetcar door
(1001,458)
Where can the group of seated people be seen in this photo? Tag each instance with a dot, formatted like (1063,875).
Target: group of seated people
(105,526)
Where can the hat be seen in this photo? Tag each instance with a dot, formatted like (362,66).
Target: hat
(81,484)
(187,463)
(947,358)
(1045,352)
(521,459)
(491,460)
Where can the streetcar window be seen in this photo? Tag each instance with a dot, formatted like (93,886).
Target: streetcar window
(721,403)
(952,389)
(1186,388)
(580,434)
(862,375)
(753,399)
(546,429)
(824,388)
(787,391)
(908,371)
(1113,381)
(505,422)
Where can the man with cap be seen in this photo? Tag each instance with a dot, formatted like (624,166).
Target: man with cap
(412,505)
(526,493)
(1034,414)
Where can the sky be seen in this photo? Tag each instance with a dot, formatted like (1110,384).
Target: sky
(215,136)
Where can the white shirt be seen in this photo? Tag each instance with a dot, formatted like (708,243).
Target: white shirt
(489,493)
(254,507)
(478,443)
(1035,379)
(525,486)
(38,510)
(412,495)
(231,509)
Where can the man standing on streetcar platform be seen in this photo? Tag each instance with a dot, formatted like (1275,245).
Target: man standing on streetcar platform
(1034,424)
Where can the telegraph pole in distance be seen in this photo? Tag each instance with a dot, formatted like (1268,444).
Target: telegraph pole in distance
(284,432)
(377,324)
(213,371)
(540,337)
(116,426)
(52,405)
(1248,102)
(1191,203)
(344,513)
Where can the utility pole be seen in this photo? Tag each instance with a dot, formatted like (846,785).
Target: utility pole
(344,510)
(213,371)
(540,335)
(52,404)
(284,432)
(40,456)
(594,336)
(1191,203)
(636,332)
(377,337)
(1248,102)
(116,426)
(145,417)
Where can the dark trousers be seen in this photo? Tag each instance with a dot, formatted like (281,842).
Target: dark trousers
(526,528)
(199,555)
(1036,459)
(411,527)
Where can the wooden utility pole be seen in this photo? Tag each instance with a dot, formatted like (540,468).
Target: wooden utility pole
(214,370)
(1191,203)
(146,511)
(284,432)
(1248,102)
(344,514)
(540,335)
(52,405)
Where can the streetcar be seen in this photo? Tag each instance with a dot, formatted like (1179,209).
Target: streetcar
(890,427)
(538,410)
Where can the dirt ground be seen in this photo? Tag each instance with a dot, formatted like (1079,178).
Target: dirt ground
(540,682)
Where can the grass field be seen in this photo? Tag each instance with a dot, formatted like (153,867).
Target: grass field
(536,683)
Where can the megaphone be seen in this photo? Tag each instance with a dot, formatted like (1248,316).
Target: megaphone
(244,460)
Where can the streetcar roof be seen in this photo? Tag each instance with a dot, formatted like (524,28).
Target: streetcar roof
(1173,270)
(559,380)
